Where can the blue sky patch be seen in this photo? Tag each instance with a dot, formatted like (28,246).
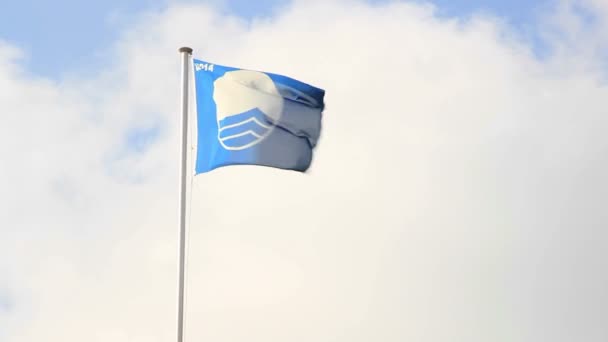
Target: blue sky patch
(138,139)
(66,34)
(6,304)
(69,34)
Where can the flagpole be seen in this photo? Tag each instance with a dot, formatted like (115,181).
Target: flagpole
(186,52)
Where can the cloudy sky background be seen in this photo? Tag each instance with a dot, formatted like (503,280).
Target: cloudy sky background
(458,192)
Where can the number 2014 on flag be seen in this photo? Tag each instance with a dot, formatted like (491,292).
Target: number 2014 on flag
(204,66)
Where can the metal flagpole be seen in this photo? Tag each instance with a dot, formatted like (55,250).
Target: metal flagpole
(186,52)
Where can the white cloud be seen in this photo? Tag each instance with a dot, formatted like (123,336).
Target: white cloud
(457,192)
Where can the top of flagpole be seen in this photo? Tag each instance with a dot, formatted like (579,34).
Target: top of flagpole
(186,50)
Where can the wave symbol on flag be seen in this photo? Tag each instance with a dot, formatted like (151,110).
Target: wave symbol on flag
(242,131)
(249,105)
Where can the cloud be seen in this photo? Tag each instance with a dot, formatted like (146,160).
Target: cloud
(457,192)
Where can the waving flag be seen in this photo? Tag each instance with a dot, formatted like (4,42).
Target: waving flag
(254,118)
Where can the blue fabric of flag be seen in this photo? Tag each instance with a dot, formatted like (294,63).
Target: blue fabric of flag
(248,117)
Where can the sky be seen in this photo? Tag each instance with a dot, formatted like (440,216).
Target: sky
(457,192)
(65,36)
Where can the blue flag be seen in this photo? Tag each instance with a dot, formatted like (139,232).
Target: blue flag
(250,117)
